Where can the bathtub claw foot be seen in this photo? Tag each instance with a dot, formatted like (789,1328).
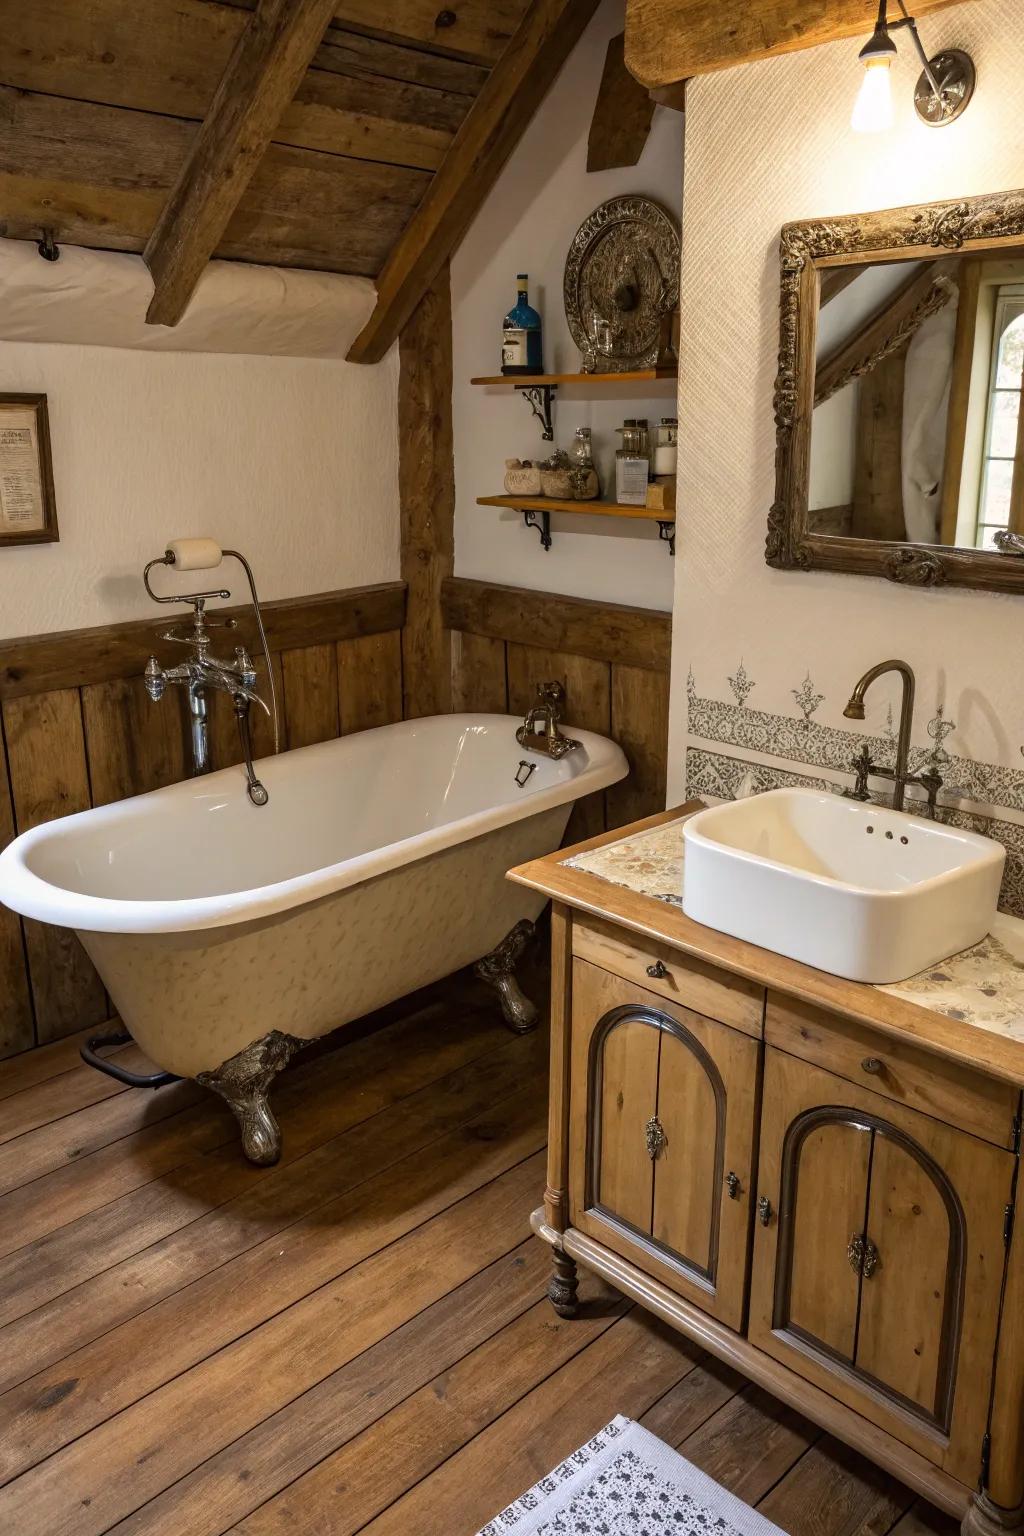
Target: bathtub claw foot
(243,1082)
(498,970)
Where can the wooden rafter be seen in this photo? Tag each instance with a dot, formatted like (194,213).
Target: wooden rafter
(490,132)
(888,329)
(262,76)
(669,40)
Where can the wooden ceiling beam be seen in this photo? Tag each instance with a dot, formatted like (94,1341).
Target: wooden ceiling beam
(671,40)
(891,327)
(490,132)
(262,76)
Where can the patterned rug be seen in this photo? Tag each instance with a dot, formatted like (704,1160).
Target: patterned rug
(625,1482)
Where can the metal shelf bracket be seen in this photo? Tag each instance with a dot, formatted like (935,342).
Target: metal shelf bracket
(543,526)
(667,531)
(540,398)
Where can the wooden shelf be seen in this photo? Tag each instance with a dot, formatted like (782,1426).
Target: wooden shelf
(588,508)
(637,376)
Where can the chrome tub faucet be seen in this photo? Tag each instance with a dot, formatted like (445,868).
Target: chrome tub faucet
(202,672)
(540,731)
(862,764)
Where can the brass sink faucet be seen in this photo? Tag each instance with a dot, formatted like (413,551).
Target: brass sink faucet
(863,766)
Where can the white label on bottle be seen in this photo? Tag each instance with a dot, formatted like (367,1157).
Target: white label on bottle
(513,349)
(631,482)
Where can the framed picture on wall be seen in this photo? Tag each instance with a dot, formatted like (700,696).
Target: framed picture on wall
(28,507)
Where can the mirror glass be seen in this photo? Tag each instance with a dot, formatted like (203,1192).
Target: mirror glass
(917,432)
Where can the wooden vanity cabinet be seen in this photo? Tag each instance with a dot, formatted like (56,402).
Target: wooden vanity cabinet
(824,1204)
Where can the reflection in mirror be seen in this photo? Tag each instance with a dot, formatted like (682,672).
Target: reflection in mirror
(917,432)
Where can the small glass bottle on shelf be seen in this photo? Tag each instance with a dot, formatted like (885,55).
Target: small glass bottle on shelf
(632,465)
(585,483)
(522,349)
(666,451)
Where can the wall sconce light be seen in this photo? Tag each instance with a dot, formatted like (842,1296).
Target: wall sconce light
(942,92)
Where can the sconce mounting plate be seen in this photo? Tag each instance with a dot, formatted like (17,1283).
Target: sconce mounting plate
(954,70)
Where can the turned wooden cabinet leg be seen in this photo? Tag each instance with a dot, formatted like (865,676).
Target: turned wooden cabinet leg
(563,1285)
(983,1518)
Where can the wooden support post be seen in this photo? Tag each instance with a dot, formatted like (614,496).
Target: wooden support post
(426,477)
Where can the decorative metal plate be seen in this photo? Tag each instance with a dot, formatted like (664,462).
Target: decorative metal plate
(621,278)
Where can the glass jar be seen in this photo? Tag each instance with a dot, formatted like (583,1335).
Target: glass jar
(666,449)
(581,453)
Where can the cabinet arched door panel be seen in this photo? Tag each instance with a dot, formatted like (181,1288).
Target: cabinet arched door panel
(820,1297)
(878,1276)
(662,1130)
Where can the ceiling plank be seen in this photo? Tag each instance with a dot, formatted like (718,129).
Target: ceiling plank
(108,51)
(98,176)
(491,131)
(671,40)
(470,31)
(262,76)
(479,30)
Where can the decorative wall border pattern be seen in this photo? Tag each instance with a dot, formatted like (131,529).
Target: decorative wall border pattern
(822,746)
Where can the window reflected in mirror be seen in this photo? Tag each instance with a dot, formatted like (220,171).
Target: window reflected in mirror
(917,430)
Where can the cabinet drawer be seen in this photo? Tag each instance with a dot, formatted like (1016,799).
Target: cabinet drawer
(948,1091)
(680,978)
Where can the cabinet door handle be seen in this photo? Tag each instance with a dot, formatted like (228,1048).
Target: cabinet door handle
(863,1255)
(873,1064)
(764,1210)
(658,971)
(732,1184)
(654,1134)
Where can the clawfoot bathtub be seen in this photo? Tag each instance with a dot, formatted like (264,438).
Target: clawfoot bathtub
(229,935)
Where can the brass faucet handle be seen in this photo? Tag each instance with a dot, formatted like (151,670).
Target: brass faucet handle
(862,767)
(931,782)
(552,693)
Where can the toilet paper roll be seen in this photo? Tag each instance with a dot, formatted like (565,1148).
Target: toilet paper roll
(195,554)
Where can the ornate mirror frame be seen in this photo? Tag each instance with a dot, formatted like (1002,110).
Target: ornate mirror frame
(806,250)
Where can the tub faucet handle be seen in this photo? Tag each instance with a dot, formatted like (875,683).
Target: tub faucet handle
(155,678)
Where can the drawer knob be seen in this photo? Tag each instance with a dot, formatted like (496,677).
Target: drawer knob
(658,971)
(732,1184)
(764,1210)
(873,1064)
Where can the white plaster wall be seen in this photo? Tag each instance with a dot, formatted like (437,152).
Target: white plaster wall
(526,224)
(293,460)
(767,143)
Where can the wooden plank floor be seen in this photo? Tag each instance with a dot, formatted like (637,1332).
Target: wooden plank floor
(354,1341)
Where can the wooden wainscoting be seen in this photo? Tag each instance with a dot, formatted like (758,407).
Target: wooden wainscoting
(79,730)
(614,662)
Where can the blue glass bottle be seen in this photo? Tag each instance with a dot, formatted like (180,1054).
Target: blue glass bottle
(521,347)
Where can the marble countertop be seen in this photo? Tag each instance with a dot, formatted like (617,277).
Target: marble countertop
(983,986)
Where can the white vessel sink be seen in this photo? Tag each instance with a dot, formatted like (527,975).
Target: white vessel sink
(863,892)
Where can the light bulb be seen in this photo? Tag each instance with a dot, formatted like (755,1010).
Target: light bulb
(872,111)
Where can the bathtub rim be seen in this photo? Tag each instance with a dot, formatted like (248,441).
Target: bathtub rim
(32,896)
